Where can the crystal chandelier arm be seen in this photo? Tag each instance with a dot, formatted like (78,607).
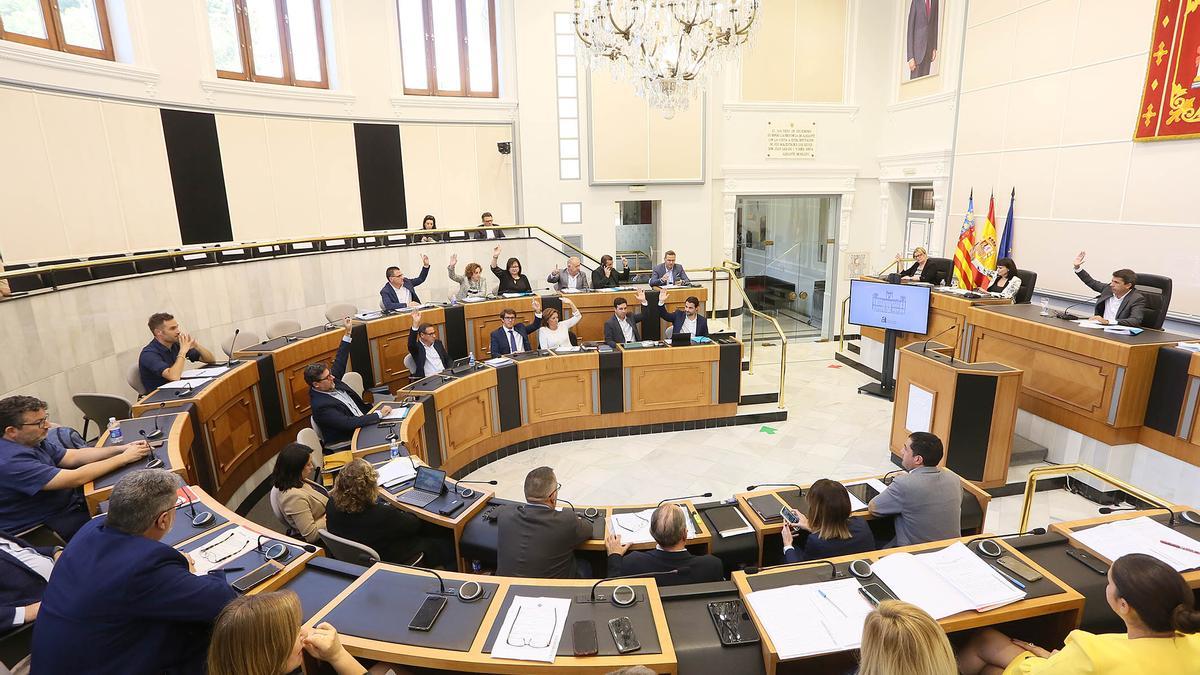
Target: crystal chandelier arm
(742,31)
(623,32)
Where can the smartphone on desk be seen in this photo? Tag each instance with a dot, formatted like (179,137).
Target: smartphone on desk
(246,582)
(427,613)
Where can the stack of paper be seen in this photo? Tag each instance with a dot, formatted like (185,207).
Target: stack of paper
(1141,535)
(396,414)
(204,372)
(812,619)
(498,361)
(634,528)
(397,471)
(187,384)
(946,582)
(1088,323)
(532,629)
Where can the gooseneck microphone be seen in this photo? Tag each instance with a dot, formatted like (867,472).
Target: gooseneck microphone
(185,390)
(469,492)
(1109,509)
(1066,313)
(1152,501)
(988,545)
(201,519)
(441,582)
(152,462)
(751,488)
(887,477)
(156,432)
(925,345)
(676,499)
(232,347)
(833,572)
(629,597)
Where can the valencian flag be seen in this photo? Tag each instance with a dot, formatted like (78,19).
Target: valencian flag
(985,250)
(964,273)
(1006,239)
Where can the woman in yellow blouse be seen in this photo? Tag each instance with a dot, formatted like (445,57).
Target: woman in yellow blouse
(1161,623)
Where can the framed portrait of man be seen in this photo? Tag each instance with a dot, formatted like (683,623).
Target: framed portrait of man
(920,48)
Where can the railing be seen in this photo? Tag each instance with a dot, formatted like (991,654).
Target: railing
(731,268)
(1064,469)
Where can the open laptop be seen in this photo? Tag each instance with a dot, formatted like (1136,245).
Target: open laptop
(681,339)
(427,486)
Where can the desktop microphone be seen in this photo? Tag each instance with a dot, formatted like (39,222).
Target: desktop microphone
(803,563)
(181,392)
(202,519)
(675,499)
(751,488)
(1162,505)
(623,589)
(925,345)
(988,545)
(157,432)
(277,551)
(441,582)
(1066,315)
(887,477)
(1109,509)
(152,462)
(589,513)
(232,347)
(471,493)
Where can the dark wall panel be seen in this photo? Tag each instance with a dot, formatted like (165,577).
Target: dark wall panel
(194,155)
(380,176)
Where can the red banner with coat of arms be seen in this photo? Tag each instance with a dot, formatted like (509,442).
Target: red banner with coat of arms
(1169,109)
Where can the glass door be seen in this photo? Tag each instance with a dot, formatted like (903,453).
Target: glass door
(788,251)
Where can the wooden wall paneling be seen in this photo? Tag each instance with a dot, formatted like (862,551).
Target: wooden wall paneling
(465,422)
(1075,381)
(235,431)
(550,397)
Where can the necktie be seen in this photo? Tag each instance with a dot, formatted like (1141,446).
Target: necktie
(512,341)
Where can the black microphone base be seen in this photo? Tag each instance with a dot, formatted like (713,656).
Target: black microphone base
(878,390)
(1067,316)
(154,434)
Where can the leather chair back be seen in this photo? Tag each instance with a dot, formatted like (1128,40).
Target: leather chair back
(1157,290)
(1028,283)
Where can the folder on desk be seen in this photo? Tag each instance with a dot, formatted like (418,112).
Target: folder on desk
(767,507)
(809,619)
(729,521)
(1141,535)
(946,582)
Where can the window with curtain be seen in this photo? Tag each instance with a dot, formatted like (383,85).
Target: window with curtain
(275,41)
(74,26)
(449,47)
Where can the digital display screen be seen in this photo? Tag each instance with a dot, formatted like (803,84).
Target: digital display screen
(895,306)
(429,480)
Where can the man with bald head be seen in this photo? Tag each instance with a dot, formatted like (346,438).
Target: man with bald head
(571,278)
(669,529)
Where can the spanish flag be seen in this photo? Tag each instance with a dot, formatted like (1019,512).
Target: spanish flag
(964,273)
(985,255)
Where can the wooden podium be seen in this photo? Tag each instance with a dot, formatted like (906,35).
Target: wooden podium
(972,407)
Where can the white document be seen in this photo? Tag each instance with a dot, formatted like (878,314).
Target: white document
(856,504)
(396,413)
(877,484)
(1140,535)
(512,295)
(474,298)
(634,528)
(1088,323)
(498,361)
(946,582)
(185,384)
(567,350)
(396,471)
(364,316)
(569,290)
(813,618)
(204,372)
(920,409)
(532,629)
(222,550)
(1190,346)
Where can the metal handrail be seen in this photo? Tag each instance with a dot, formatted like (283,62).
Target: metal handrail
(731,266)
(1063,469)
(896,264)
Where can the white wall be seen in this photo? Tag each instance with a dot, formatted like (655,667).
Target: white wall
(1050,98)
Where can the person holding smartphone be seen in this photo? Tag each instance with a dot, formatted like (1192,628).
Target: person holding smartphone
(831,530)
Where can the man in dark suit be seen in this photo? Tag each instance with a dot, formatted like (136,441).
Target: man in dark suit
(535,539)
(512,336)
(1120,303)
(669,272)
(622,325)
(669,530)
(428,352)
(24,571)
(398,291)
(687,320)
(121,601)
(921,34)
(336,408)
(486,219)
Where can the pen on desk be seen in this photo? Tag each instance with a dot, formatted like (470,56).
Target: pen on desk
(1182,548)
(827,599)
(1011,580)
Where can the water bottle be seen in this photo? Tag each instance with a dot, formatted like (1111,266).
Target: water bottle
(115,437)
(1045,306)
(471,356)
(394,448)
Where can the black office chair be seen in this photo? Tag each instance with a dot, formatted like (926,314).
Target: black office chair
(1157,290)
(574,338)
(1028,283)
(943,270)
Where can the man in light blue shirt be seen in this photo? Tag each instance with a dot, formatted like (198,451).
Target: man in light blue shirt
(927,501)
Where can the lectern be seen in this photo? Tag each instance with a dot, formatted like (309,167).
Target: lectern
(972,407)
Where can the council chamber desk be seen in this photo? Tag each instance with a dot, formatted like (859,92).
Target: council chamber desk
(1094,382)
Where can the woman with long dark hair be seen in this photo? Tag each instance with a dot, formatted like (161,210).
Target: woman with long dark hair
(511,278)
(301,501)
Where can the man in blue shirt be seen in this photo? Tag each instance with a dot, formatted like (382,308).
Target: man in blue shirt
(163,360)
(121,601)
(40,479)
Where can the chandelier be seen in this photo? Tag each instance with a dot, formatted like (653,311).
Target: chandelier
(668,48)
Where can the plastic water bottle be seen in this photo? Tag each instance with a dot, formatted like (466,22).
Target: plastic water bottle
(115,436)
(1045,306)
(394,448)
(471,356)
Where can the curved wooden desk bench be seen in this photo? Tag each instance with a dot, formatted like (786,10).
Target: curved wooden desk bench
(175,452)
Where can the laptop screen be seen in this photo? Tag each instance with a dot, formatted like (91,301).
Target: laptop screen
(429,480)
